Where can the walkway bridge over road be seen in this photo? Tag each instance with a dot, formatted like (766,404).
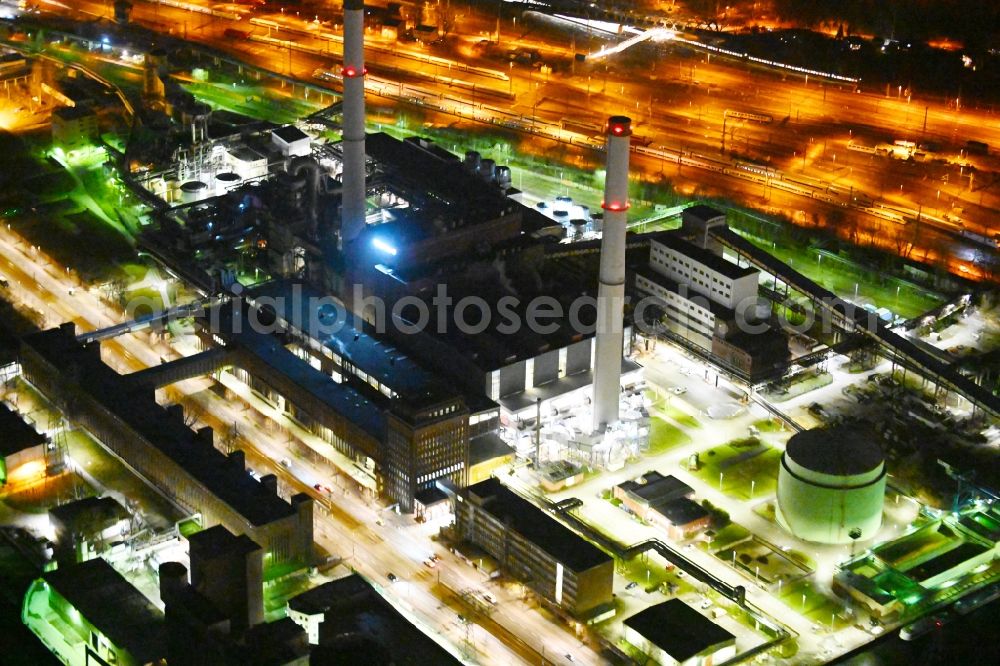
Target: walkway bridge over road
(145,321)
(187,367)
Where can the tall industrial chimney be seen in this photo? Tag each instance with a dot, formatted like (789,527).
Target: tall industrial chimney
(611,288)
(353,201)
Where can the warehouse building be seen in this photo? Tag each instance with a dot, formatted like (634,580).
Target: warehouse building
(87,613)
(674,633)
(85,527)
(562,567)
(74,127)
(665,502)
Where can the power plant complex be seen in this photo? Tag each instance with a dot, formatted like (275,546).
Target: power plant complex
(371,381)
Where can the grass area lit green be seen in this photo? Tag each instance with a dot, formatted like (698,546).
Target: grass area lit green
(652,573)
(841,276)
(664,405)
(256,101)
(664,436)
(726,536)
(110,472)
(742,469)
(802,597)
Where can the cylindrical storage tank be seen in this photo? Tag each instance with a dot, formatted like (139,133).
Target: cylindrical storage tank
(173,579)
(193,190)
(472,161)
(487,169)
(224,182)
(831,485)
(503,176)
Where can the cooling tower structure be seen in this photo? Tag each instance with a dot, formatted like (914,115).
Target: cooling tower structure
(353,178)
(611,288)
(831,485)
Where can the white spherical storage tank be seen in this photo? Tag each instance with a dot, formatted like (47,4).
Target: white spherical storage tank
(831,485)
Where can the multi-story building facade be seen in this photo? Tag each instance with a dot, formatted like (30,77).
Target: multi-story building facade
(74,127)
(708,301)
(561,566)
(402,427)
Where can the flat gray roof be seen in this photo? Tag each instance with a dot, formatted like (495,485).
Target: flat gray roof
(352,608)
(657,488)
(289,134)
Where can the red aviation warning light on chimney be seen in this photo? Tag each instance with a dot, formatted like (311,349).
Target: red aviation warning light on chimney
(619,126)
(351,72)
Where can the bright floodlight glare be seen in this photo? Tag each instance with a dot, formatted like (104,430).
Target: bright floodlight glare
(380,244)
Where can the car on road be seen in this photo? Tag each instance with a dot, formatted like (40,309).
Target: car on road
(678,390)
(285,462)
(490,598)
(321,488)
(429,563)
(706,604)
(632,585)
(392,577)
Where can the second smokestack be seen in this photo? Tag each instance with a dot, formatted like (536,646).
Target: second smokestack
(353,201)
(611,286)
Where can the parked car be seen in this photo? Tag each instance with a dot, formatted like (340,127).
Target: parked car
(392,577)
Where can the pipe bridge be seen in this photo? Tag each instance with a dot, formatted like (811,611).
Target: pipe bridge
(856,320)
